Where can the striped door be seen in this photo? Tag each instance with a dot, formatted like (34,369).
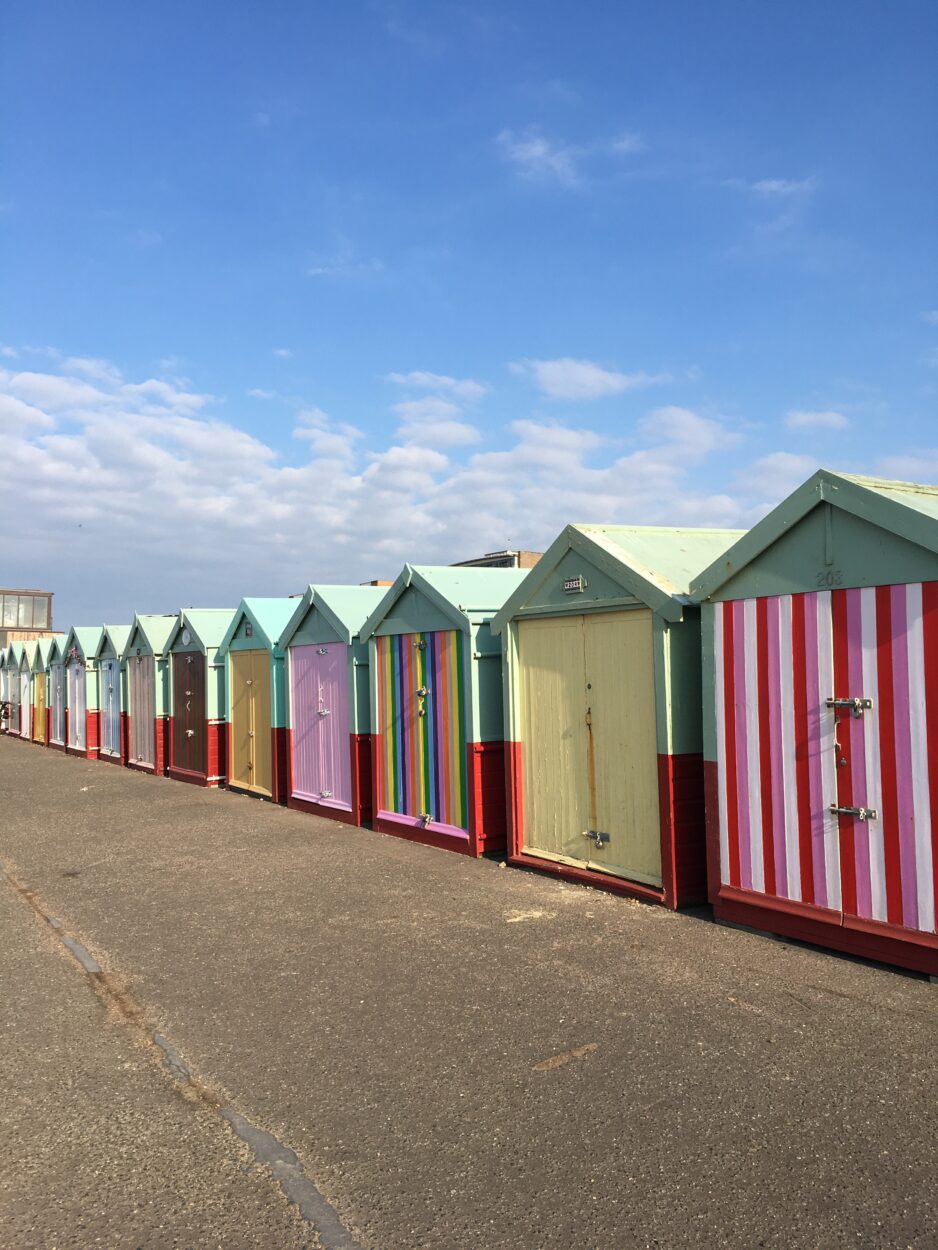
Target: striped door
(422,726)
(110,707)
(320,714)
(786,758)
(77,705)
(57,696)
(26,702)
(141,683)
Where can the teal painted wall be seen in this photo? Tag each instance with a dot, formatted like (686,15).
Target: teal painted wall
(547,596)
(413,613)
(827,549)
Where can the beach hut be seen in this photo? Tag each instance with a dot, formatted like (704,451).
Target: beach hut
(147,676)
(198,730)
(256,697)
(81,680)
(4,689)
(25,724)
(112,692)
(14,659)
(56,694)
(41,653)
(820,643)
(436,707)
(603,723)
(328,713)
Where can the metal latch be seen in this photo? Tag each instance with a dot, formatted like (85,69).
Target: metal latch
(422,692)
(190,733)
(324,711)
(856,706)
(861,813)
(594,835)
(325,794)
(425,817)
(322,651)
(250,733)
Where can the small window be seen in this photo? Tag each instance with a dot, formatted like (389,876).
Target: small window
(24,618)
(9,611)
(40,612)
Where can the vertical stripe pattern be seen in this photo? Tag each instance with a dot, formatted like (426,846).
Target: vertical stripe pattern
(784,758)
(422,738)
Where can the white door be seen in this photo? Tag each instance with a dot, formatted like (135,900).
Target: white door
(77,704)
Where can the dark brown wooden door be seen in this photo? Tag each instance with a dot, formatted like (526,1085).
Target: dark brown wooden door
(189,711)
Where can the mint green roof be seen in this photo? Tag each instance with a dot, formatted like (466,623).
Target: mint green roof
(15,654)
(347,608)
(465,595)
(86,638)
(156,629)
(650,563)
(117,635)
(57,650)
(209,626)
(907,509)
(43,651)
(269,617)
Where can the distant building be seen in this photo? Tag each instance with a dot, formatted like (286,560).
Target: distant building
(501,560)
(24,614)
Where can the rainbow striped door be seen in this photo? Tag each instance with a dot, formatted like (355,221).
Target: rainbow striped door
(827,749)
(422,729)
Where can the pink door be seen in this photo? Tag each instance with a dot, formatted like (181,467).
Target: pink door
(320,718)
(827,748)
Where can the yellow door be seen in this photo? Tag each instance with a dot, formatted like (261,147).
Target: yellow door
(623,754)
(39,729)
(555,789)
(251,758)
(263,754)
(241,726)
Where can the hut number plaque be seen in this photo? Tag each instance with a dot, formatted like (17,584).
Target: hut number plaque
(574,585)
(186,638)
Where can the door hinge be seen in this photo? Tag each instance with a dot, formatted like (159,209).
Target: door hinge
(861,813)
(856,706)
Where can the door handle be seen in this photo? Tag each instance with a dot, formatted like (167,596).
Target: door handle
(190,733)
(324,711)
(250,733)
(861,813)
(594,835)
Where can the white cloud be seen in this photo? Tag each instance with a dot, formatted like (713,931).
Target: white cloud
(257,392)
(207,512)
(420,379)
(826,419)
(931,316)
(10,352)
(567,378)
(538,158)
(92,367)
(283,353)
(48,390)
(775,188)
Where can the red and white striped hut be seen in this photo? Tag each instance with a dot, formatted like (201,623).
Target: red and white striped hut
(820,637)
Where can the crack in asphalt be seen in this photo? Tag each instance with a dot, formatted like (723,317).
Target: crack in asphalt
(283,1163)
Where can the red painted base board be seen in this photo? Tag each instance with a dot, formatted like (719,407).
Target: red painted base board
(486,795)
(92,740)
(683,843)
(867,939)
(215,753)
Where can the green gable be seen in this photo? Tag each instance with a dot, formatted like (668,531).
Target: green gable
(331,614)
(266,619)
(602,567)
(432,597)
(206,627)
(150,633)
(85,639)
(836,530)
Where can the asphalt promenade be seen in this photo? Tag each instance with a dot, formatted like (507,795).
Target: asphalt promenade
(227,1024)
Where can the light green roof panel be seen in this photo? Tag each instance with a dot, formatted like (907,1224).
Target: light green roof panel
(621,564)
(346,607)
(209,625)
(269,617)
(117,635)
(156,629)
(463,595)
(15,654)
(44,649)
(907,509)
(86,638)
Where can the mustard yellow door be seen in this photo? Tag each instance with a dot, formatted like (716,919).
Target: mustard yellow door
(39,729)
(251,759)
(555,784)
(622,762)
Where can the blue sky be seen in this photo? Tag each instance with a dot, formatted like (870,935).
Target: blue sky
(299,291)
